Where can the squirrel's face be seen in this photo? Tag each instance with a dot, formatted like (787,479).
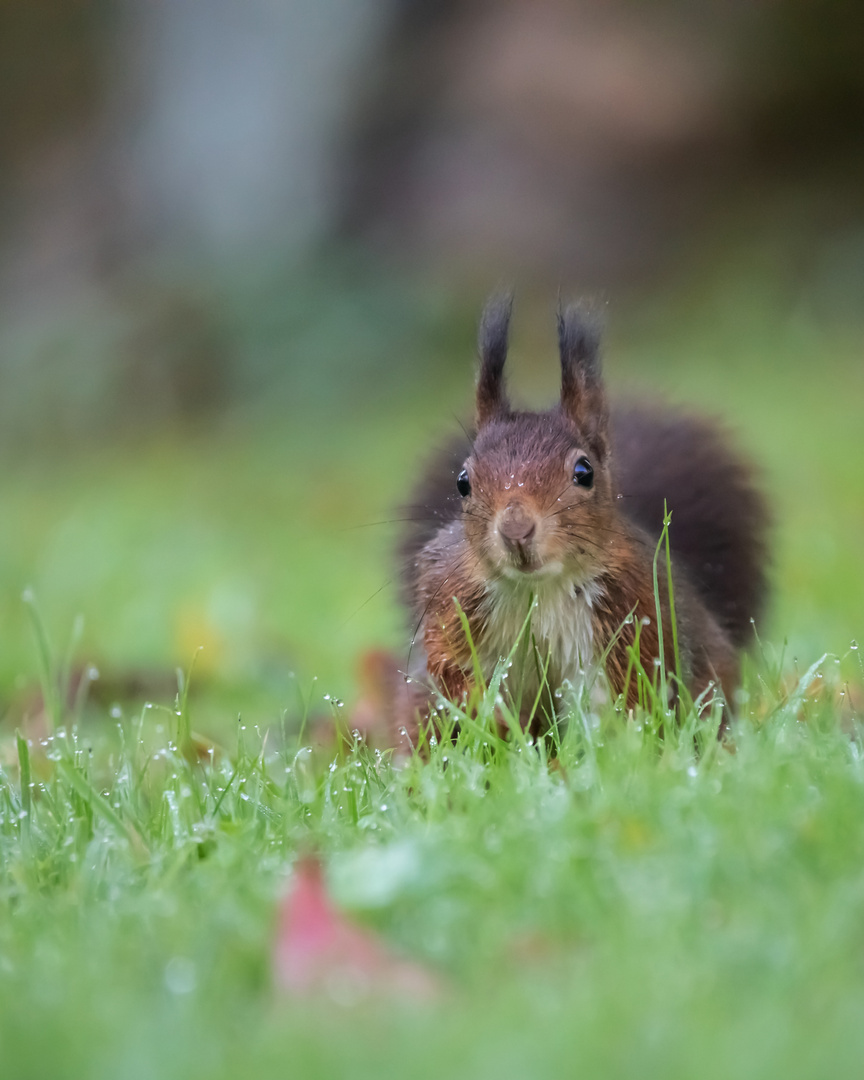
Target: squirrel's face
(536,496)
(536,488)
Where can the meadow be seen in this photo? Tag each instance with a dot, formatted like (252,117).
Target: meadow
(612,903)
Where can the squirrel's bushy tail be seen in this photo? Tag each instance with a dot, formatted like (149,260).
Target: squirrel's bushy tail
(719,519)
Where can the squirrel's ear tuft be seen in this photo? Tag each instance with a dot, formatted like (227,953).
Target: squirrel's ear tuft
(583,396)
(492,345)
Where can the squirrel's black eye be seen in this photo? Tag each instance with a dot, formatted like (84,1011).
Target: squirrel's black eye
(583,473)
(463,484)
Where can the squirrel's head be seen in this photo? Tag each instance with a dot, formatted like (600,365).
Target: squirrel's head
(536,488)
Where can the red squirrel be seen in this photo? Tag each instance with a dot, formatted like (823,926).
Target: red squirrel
(560,511)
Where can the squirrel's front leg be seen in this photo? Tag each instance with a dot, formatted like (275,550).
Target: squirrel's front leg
(448,654)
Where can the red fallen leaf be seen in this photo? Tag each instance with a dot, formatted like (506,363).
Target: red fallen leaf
(318,949)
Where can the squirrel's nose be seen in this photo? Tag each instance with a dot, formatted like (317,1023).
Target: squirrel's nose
(517,527)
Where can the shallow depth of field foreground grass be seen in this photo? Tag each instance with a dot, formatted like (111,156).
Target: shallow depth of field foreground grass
(640,905)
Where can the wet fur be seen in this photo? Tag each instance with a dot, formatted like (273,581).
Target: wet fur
(588,561)
(661,456)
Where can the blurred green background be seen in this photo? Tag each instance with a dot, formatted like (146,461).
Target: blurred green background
(243,249)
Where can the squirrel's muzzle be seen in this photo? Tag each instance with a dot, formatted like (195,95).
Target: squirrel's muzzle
(517,528)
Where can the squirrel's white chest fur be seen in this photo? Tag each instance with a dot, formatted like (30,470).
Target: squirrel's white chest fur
(561,626)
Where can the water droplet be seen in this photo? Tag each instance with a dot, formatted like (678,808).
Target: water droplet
(180,976)
(692,771)
(854,645)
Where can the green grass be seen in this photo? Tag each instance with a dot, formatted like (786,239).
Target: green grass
(642,907)
(647,904)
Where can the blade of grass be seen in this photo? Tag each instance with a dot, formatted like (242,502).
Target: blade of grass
(47,674)
(82,786)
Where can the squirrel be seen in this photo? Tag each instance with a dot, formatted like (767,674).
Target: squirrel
(560,512)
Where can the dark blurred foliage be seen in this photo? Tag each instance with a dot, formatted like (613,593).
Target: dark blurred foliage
(585,140)
(50,75)
(809,56)
(204,203)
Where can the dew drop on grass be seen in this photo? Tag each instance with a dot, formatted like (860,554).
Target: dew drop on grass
(854,645)
(180,975)
(692,771)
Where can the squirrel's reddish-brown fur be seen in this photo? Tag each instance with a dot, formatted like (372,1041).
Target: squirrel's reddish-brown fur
(562,510)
